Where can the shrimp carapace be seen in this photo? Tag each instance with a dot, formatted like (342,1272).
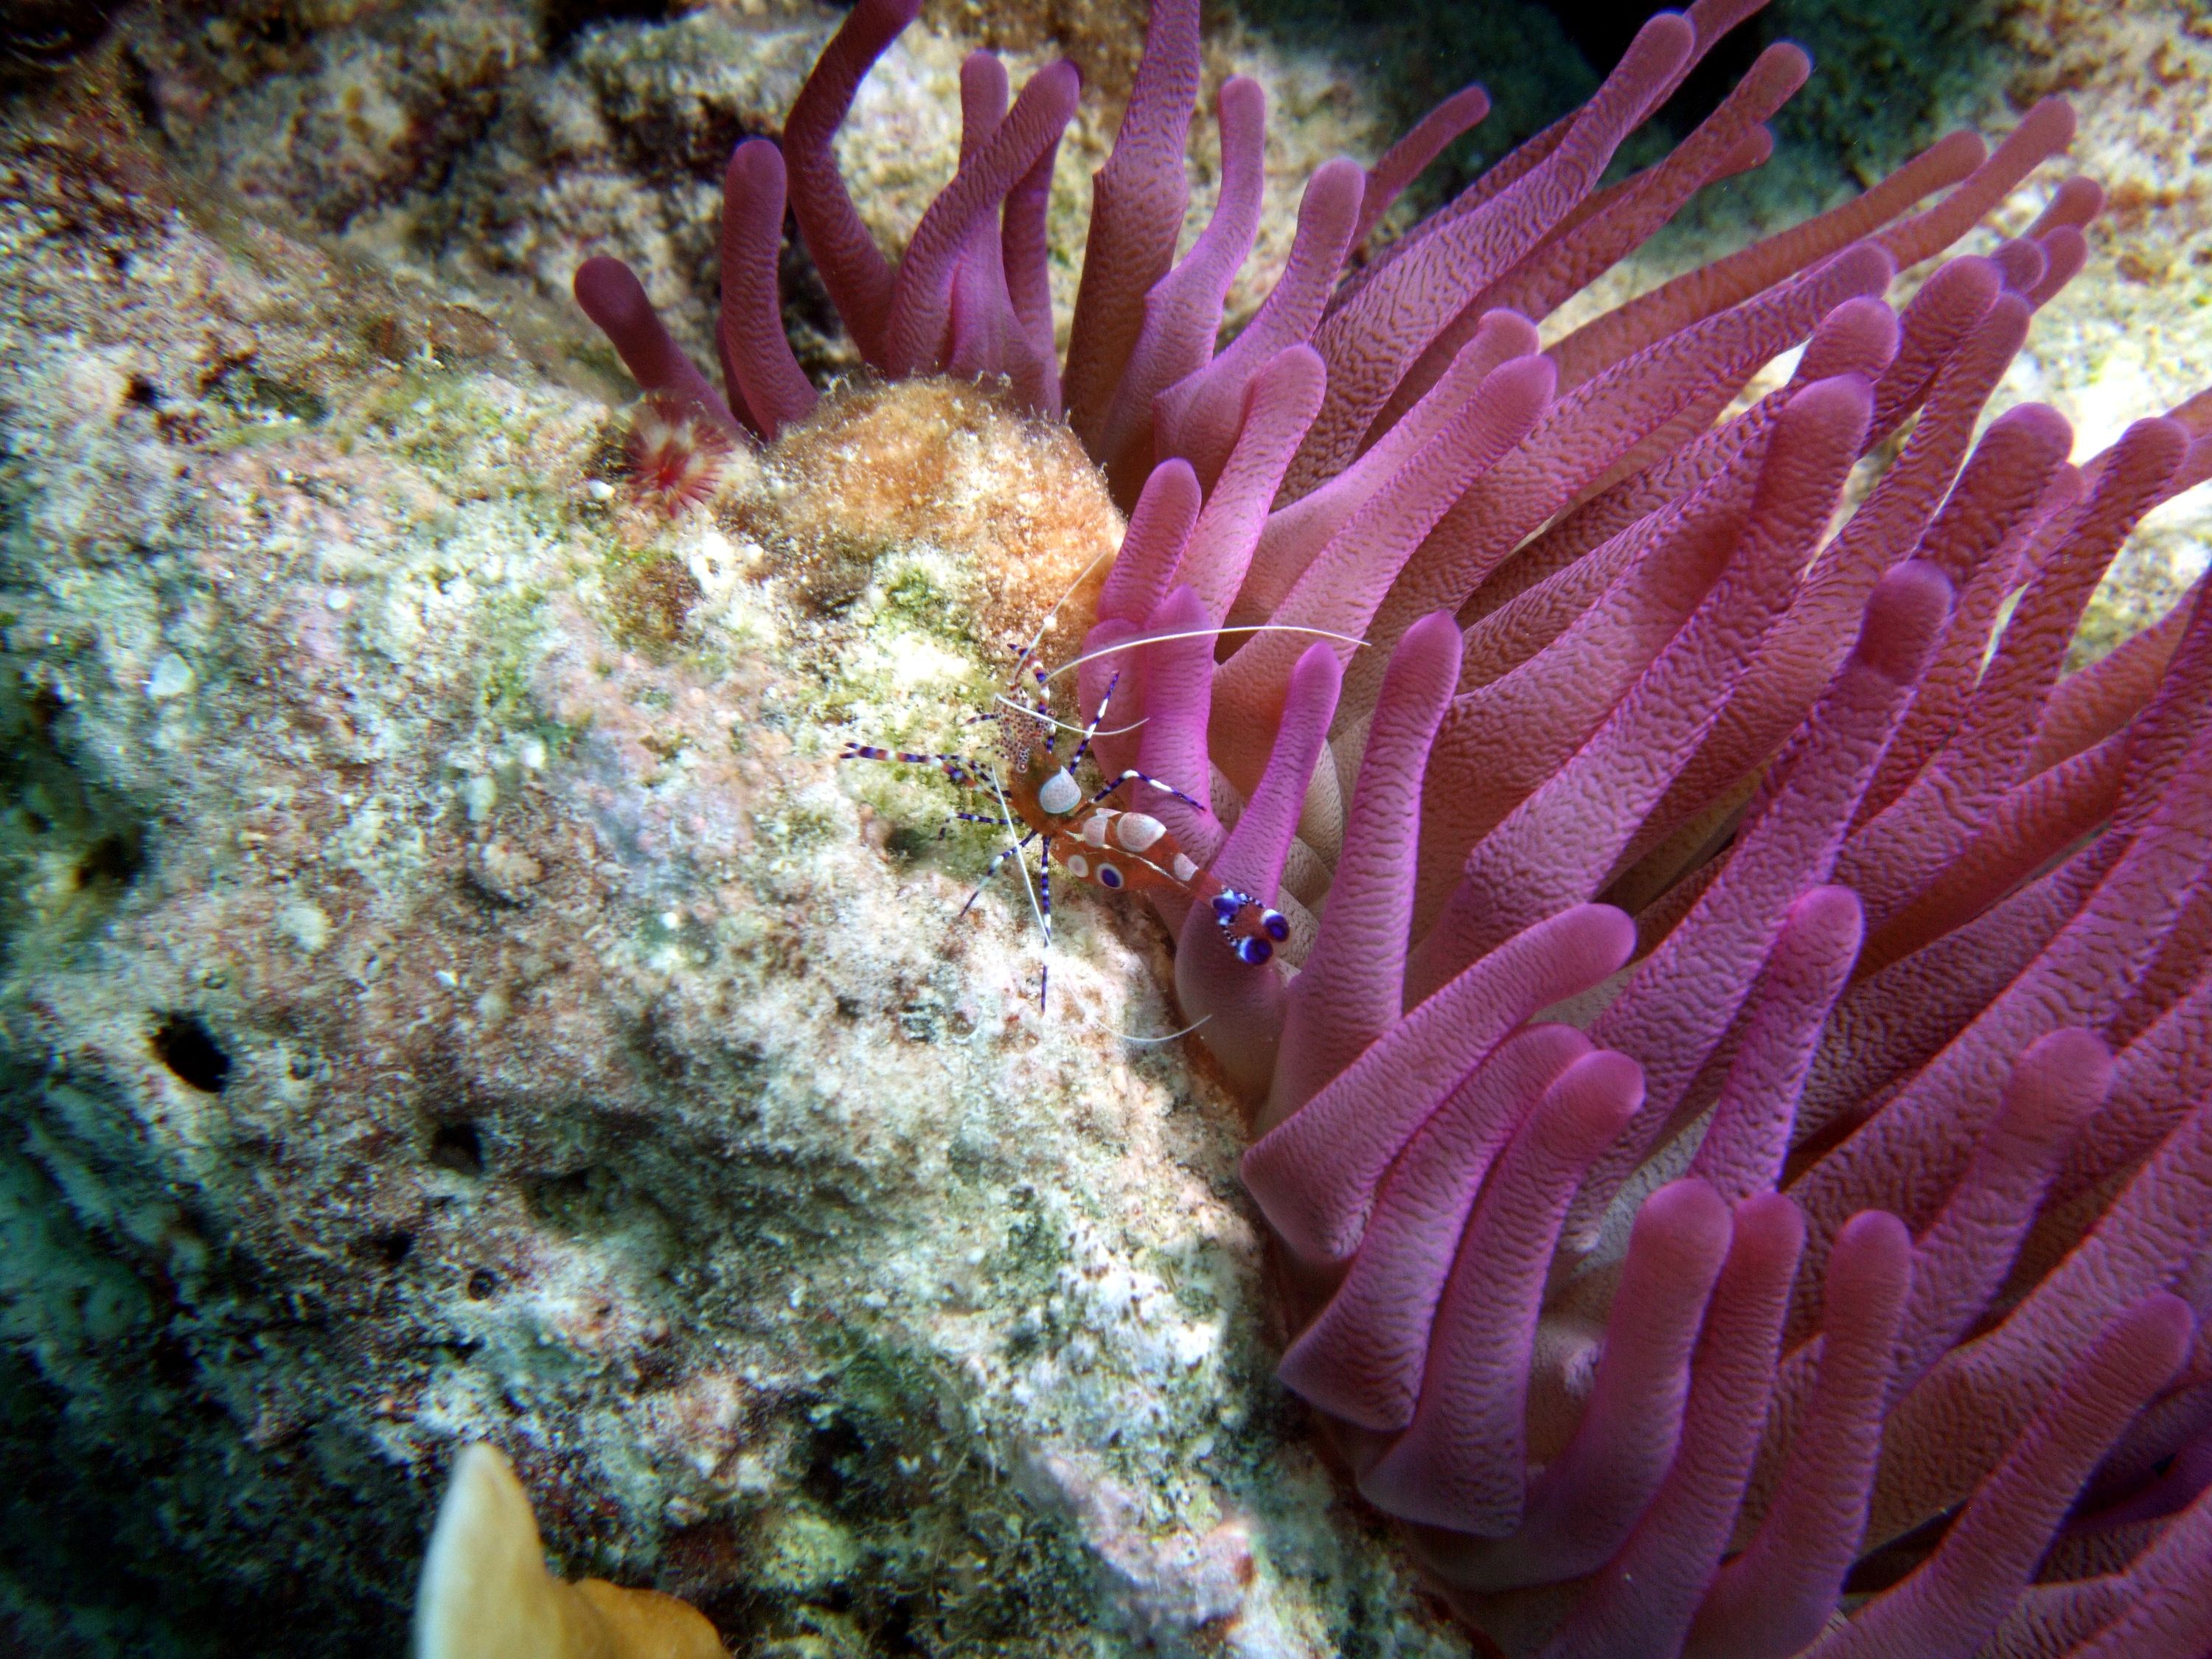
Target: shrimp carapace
(1114,846)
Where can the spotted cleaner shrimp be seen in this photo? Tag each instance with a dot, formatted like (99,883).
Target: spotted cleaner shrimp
(1092,838)
(1113,847)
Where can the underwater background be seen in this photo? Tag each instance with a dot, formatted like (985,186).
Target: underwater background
(449,990)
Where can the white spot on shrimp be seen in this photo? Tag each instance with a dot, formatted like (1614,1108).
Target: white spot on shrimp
(1184,869)
(1060,795)
(1094,831)
(1077,865)
(1136,831)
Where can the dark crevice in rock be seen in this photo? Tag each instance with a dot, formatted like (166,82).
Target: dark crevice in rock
(185,1045)
(563,19)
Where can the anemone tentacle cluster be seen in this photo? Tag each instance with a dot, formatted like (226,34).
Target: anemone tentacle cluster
(1737,1131)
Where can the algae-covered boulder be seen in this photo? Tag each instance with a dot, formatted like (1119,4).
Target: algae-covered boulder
(453,993)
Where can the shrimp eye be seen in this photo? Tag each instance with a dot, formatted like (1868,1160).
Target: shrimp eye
(1060,794)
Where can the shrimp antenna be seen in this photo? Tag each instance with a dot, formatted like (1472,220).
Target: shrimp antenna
(1063,725)
(1038,638)
(1198,633)
(1131,1036)
(1028,889)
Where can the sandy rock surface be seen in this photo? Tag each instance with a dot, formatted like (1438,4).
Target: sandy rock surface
(2132,336)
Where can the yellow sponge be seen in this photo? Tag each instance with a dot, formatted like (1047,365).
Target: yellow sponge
(485,1593)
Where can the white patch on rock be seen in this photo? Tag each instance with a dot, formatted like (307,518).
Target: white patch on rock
(305,925)
(172,678)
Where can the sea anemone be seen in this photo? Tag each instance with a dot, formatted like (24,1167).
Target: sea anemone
(1733,1109)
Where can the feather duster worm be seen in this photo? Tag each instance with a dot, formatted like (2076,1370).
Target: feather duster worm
(1737,1131)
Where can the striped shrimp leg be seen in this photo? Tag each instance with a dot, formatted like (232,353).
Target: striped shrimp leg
(957,767)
